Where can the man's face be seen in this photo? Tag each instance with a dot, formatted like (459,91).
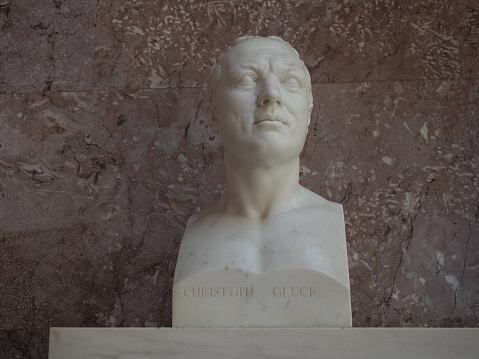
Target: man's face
(261,103)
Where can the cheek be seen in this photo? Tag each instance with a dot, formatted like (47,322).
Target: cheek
(235,110)
(299,108)
(236,101)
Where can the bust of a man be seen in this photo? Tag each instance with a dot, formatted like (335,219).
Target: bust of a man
(269,252)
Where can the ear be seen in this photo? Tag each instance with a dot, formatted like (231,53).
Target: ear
(211,117)
(309,117)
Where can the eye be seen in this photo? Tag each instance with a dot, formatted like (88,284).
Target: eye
(246,79)
(292,80)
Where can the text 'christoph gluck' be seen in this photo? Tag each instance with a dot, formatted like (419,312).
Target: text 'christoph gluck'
(201,292)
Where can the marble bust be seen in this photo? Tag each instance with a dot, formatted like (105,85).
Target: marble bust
(269,252)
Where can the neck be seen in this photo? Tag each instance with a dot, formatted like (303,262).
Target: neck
(257,192)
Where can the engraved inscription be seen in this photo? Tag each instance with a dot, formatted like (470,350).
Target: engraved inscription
(295,292)
(279,292)
(199,292)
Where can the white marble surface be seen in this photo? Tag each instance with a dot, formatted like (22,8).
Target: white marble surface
(266,232)
(232,343)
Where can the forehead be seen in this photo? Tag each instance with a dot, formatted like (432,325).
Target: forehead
(259,49)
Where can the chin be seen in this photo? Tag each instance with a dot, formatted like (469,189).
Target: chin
(273,153)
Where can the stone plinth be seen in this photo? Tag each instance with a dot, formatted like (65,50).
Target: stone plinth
(317,343)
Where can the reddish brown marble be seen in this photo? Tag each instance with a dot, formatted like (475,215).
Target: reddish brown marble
(139,43)
(469,30)
(28,344)
(46,45)
(98,203)
(105,153)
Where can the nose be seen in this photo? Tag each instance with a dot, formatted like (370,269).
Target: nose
(270,92)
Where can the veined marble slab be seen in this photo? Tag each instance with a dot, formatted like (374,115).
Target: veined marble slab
(277,343)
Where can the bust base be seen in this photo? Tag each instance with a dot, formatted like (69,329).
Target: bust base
(288,298)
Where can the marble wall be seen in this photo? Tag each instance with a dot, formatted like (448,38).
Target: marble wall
(105,152)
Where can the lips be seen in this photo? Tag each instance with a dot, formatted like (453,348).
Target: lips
(269,118)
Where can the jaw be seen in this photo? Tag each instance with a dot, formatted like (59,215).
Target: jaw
(268,150)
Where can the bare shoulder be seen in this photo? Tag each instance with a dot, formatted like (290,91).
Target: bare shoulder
(308,198)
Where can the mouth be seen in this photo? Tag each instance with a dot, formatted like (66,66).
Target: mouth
(269,119)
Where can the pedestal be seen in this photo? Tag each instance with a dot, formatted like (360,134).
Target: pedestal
(279,343)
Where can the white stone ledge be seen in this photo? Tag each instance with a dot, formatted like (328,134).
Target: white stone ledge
(277,343)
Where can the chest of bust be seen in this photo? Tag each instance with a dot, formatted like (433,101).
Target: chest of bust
(294,239)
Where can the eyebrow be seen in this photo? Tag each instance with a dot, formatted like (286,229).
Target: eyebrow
(252,66)
(281,66)
(292,64)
